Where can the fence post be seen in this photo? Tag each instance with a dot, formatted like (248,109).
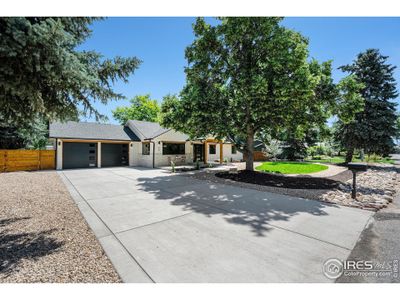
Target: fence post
(40,159)
(5,161)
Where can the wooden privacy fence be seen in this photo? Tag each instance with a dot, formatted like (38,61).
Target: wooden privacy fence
(257,156)
(27,160)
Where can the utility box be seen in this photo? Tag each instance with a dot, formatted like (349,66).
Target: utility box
(357,167)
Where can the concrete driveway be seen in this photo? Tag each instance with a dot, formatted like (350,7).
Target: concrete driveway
(161,227)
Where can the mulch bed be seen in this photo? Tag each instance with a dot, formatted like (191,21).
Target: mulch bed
(307,193)
(301,182)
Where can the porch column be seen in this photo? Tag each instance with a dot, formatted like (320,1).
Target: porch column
(59,154)
(221,153)
(99,154)
(131,157)
(205,152)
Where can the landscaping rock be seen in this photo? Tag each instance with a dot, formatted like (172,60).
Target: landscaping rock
(375,189)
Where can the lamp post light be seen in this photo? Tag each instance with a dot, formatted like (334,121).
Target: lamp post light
(354,168)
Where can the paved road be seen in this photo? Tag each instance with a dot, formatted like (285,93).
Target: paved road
(380,241)
(160,227)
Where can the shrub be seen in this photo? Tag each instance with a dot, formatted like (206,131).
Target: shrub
(373,157)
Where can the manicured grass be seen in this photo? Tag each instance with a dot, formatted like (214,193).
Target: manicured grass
(385,160)
(291,167)
(340,159)
(333,160)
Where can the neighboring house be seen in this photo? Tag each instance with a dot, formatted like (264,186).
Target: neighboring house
(138,143)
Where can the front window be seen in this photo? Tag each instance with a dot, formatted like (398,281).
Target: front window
(173,148)
(234,150)
(213,149)
(145,148)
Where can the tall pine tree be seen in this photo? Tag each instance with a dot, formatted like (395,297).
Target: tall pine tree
(374,127)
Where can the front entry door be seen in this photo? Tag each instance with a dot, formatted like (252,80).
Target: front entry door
(198,152)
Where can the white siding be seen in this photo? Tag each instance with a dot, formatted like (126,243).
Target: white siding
(137,159)
(172,136)
(213,157)
(227,151)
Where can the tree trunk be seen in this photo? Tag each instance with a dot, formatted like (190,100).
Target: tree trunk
(250,149)
(349,155)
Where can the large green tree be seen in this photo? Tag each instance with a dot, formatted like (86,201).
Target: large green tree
(42,71)
(142,108)
(375,126)
(244,75)
(298,134)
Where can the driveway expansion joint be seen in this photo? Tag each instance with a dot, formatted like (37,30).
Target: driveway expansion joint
(153,223)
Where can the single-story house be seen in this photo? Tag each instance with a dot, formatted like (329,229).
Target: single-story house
(138,143)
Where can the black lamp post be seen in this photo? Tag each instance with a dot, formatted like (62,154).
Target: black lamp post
(356,167)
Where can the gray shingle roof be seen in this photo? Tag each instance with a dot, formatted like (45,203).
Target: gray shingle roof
(93,131)
(148,130)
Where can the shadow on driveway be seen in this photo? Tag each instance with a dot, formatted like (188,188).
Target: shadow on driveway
(237,205)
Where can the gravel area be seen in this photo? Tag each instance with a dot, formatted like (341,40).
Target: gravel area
(375,189)
(43,236)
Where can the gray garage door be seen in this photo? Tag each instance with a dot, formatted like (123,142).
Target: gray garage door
(113,155)
(79,155)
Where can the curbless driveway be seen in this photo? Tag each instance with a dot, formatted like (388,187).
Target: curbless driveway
(161,227)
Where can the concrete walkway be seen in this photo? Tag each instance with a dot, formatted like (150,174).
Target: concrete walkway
(162,227)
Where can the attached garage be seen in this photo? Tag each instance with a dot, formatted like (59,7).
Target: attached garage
(79,155)
(87,145)
(113,155)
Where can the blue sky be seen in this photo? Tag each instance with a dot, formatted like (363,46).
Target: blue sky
(160,43)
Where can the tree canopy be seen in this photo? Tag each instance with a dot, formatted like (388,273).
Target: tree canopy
(42,72)
(245,75)
(142,108)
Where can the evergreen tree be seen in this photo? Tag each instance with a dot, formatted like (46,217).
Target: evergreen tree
(375,126)
(42,71)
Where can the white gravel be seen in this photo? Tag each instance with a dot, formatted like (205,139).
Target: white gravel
(375,189)
(43,236)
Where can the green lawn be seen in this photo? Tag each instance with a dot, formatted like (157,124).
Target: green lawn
(340,159)
(291,167)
